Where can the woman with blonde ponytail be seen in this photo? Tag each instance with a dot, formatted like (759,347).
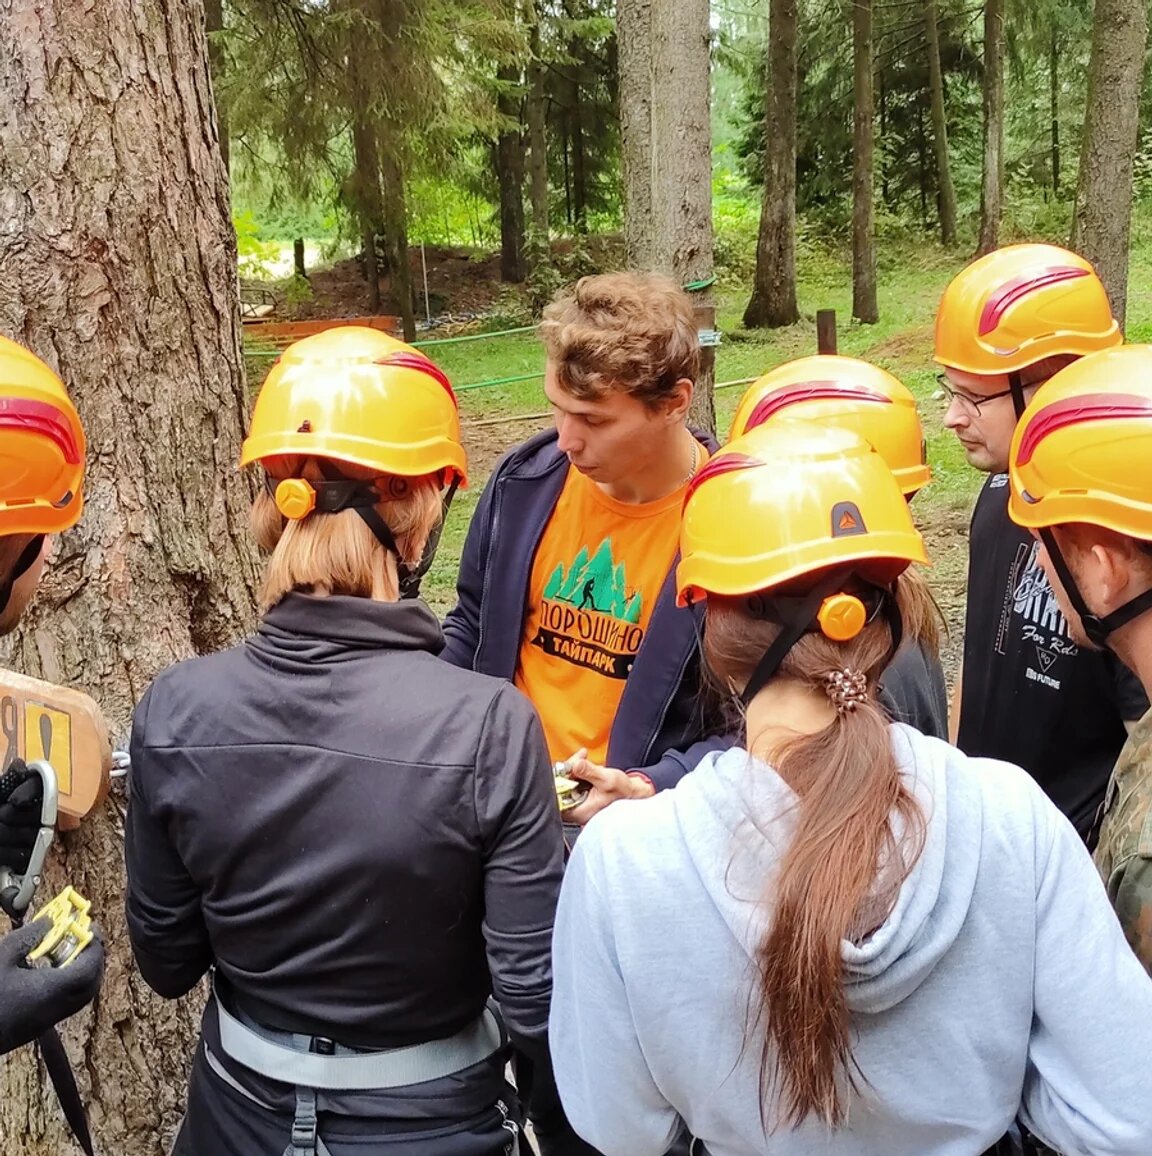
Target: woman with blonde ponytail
(359,842)
(843,937)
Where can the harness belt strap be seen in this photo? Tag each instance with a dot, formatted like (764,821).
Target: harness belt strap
(349,1071)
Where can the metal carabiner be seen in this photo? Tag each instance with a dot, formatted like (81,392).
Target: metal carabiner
(26,883)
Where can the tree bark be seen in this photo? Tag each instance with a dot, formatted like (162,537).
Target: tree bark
(681,175)
(1054,109)
(991,194)
(367,202)
(1101,226)
(945,192)
(509,158)
(773,301)
(864,304)
(537,124)
(214,23)
(634,46)
(120,270)
(576,135)
(396,236)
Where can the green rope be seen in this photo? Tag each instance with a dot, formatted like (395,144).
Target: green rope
(474,336)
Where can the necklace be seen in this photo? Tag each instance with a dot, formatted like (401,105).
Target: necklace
(695,463)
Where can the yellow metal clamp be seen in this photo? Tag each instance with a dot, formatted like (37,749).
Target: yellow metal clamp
(71,929)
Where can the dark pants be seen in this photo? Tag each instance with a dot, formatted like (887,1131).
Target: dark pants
(222,1121)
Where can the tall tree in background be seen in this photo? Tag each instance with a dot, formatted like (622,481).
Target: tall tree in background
(509,157)
(677,182)
(864,305)
(634,44)
(945,191)
(1101,226)
(773,301)
(119,269)
(536,124)
(991,192)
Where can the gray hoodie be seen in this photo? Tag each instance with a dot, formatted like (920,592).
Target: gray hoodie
(1000,983)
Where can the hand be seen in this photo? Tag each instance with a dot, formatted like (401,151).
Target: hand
(21,794)
(608,785)
(32,999)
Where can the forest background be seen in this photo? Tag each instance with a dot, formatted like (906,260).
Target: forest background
(451,165)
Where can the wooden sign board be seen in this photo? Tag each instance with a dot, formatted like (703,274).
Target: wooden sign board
(39,720)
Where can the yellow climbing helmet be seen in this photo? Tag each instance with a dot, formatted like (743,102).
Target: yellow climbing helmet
(844,393)
(1021,304)
(358,396)
(786,500)
(1083,450)
(42,447)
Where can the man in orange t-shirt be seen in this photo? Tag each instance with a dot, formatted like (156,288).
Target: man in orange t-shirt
(566,580)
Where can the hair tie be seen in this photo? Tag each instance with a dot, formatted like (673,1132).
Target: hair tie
(846,688)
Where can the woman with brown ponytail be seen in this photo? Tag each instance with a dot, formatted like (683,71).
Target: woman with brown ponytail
(844,937)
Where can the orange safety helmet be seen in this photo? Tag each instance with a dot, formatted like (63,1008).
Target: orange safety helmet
(42,447)
(355,395)
(790,499)
(1083,450)
(1019,305)
(844,393)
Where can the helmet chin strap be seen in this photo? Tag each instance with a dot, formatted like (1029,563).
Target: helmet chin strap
(364,500)
(1016,385)
(1096,627)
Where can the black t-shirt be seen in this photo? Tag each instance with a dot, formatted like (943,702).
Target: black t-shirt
(1030,695)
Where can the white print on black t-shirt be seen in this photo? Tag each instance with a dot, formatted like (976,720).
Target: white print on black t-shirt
(1031,607)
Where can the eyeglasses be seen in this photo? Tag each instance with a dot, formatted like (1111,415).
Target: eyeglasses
(967,401)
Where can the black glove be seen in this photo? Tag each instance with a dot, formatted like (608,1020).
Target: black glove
(21,794)
(32,999)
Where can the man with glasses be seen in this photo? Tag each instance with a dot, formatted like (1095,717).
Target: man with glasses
(1026,693)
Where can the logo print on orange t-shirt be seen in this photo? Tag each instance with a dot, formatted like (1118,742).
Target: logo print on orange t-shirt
(588,616)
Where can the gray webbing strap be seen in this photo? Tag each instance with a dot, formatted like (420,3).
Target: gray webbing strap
(349,1071)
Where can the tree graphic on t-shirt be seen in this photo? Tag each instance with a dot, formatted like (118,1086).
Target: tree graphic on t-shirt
(596,583)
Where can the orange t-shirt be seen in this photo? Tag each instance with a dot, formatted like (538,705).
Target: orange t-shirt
(595,578)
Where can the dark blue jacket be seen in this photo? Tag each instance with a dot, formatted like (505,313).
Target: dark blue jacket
(661,726)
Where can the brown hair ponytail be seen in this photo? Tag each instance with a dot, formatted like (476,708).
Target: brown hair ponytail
(843,869)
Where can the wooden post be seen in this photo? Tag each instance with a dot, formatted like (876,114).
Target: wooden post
(826,331)
(703,414)
(298,258)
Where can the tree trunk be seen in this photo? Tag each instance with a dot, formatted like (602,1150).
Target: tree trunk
(576,130)
(773,301)
(298,267)
(367,202)
(537,123)
(634,47)
(1054,109)
(922,160)
(681,178)
(509,157)
(120,270)
(945,192)
(991,193)
(396,234)
(883,134)
(214,23)
(864,305)
(1103,219)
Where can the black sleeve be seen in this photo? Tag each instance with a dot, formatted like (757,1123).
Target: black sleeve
(165,921)
(914,692)
(1131,700)
(462,623)
(523,841)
